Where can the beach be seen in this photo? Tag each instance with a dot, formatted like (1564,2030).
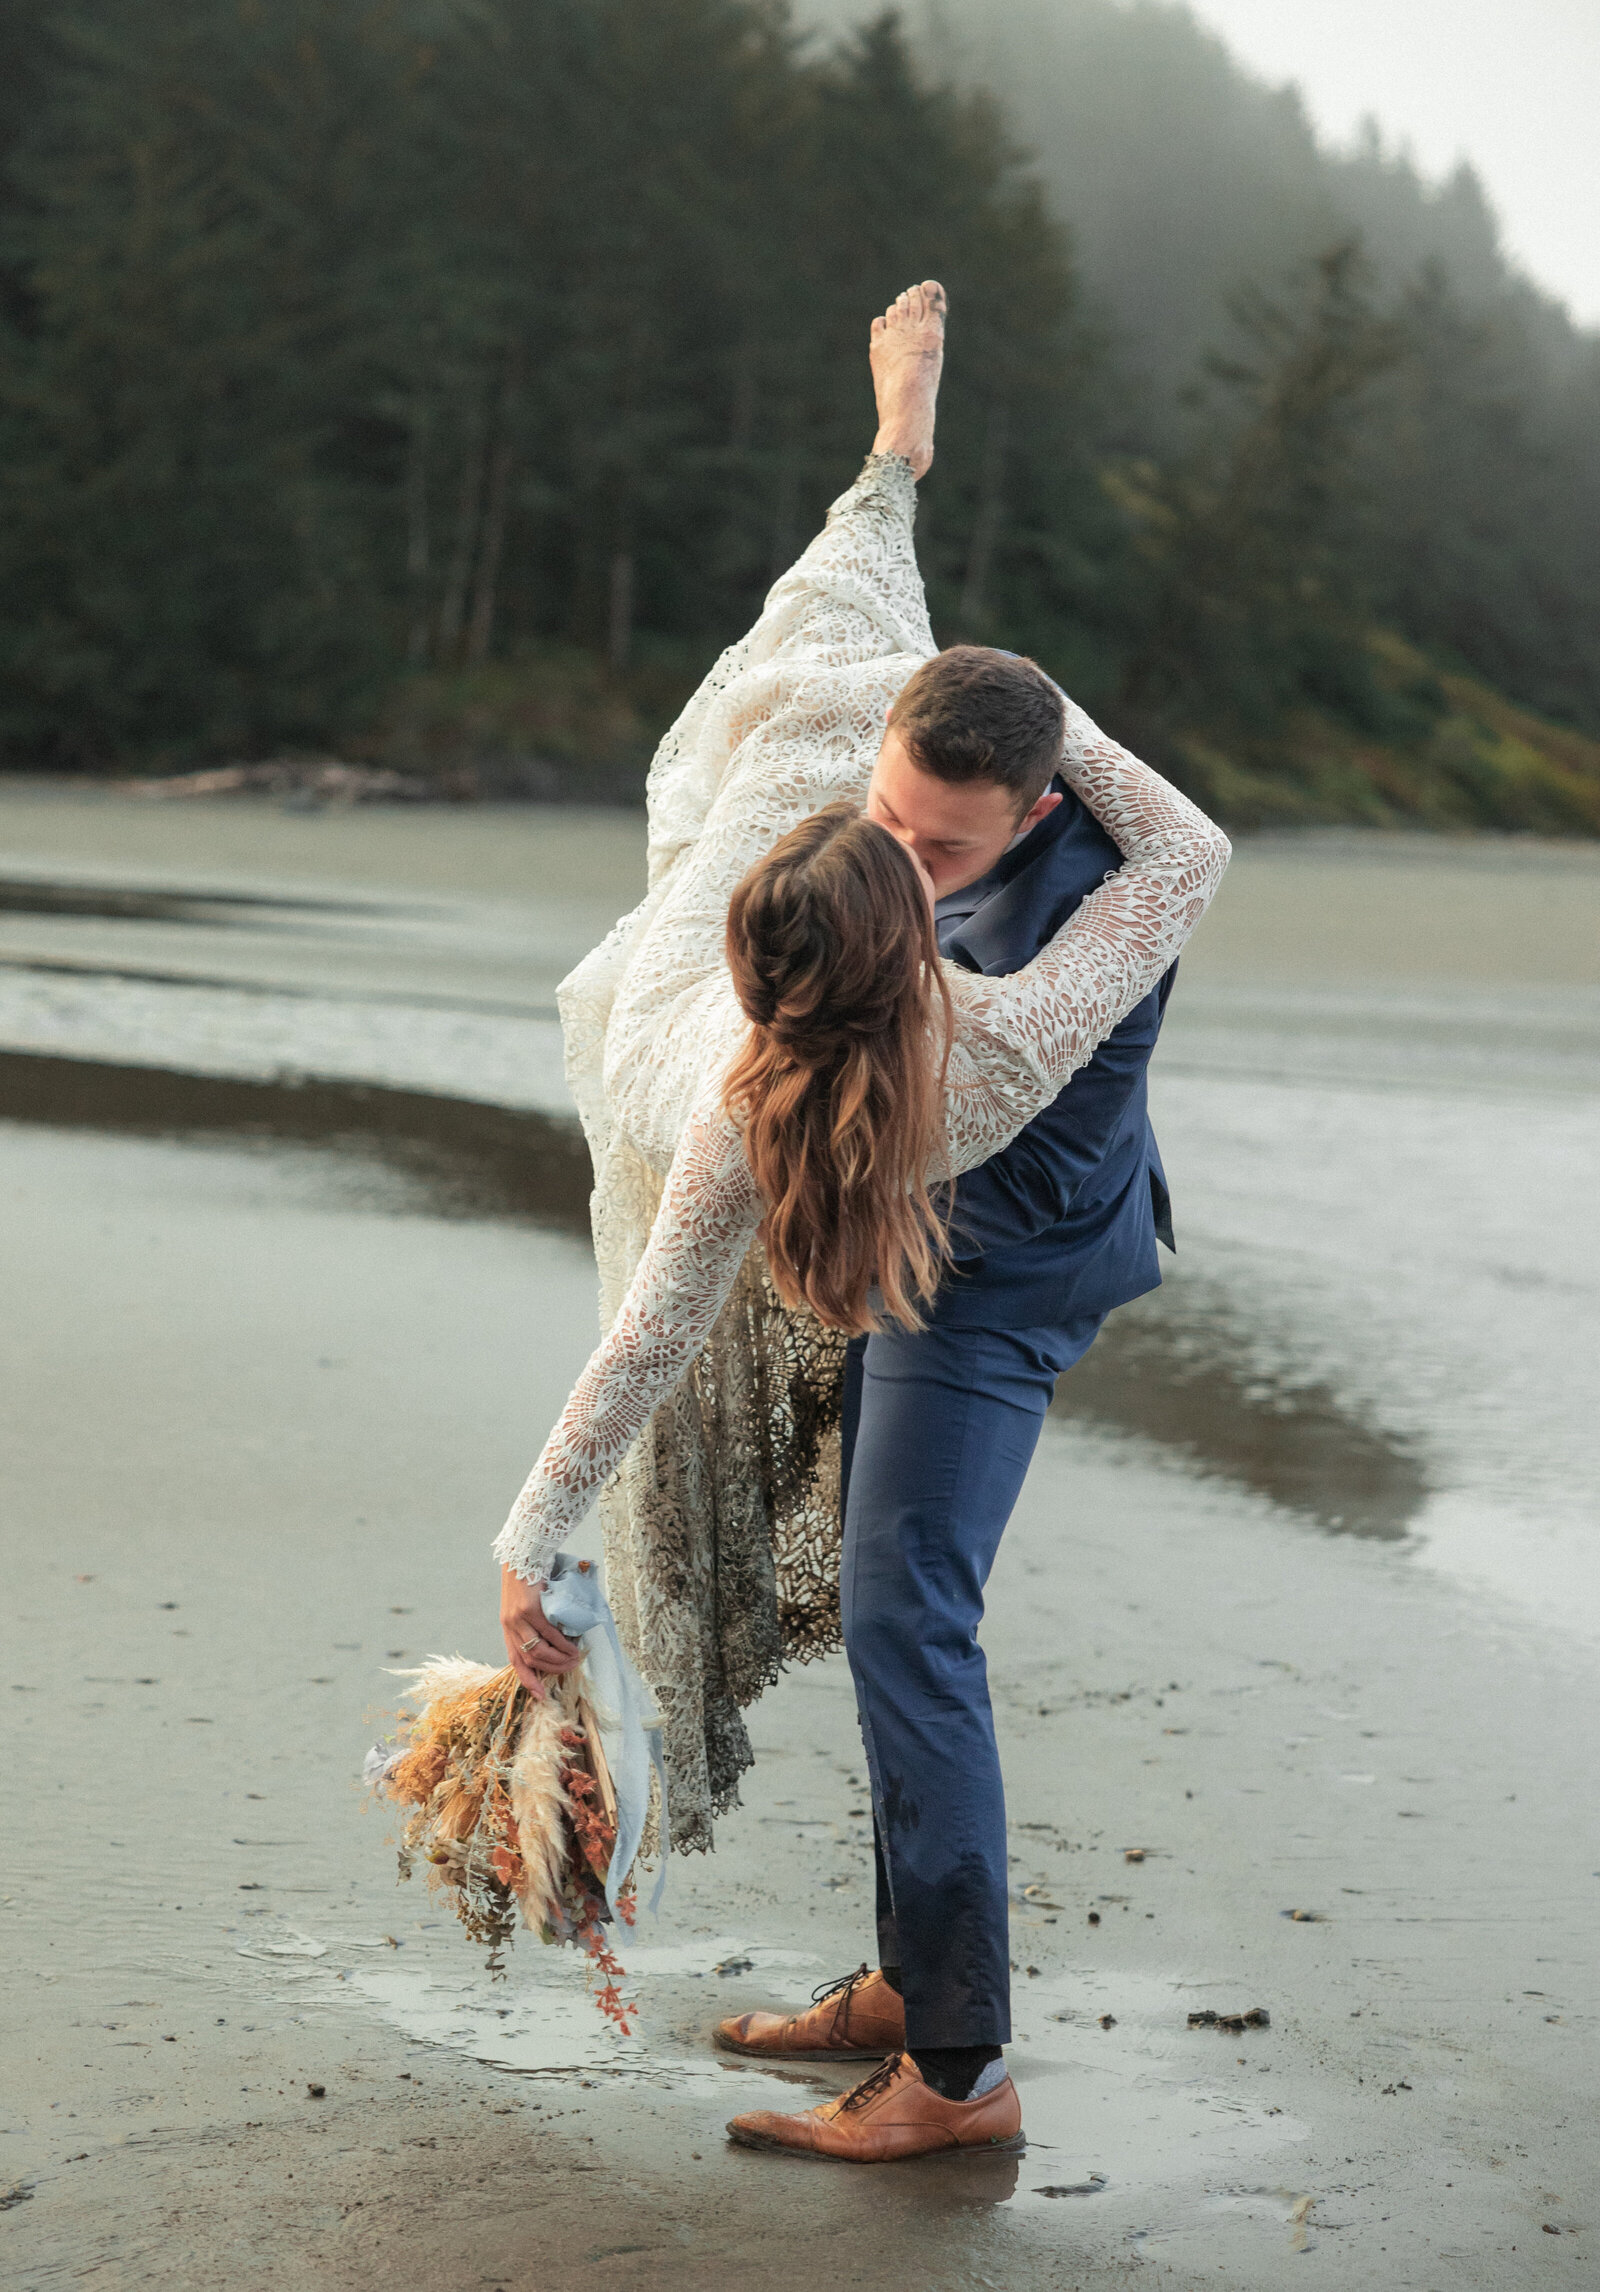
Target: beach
(1300,1611)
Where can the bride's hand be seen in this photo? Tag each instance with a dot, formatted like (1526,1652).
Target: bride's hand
(533,1644)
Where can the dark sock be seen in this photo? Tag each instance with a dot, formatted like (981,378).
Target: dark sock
(891,1975)
(953,2070)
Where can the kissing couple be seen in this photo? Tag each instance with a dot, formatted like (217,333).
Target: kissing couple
(863,1080)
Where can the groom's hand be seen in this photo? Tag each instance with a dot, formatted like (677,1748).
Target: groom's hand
(534,1646)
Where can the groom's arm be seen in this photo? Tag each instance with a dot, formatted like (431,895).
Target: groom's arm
(1032,1185)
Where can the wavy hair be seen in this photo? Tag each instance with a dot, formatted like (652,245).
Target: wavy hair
(839,1088)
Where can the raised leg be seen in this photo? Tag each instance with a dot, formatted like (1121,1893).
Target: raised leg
(788,721)
(849,618)
(907,360)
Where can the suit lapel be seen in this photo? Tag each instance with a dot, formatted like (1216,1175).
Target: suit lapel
(1067,856)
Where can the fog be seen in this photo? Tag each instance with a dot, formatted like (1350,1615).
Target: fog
(1185,162)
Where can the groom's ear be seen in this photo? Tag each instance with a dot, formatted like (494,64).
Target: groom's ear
(1040,811)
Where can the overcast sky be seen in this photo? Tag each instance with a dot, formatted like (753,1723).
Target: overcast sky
(1511,85)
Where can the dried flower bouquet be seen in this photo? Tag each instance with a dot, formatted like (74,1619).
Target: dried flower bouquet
(511,1809)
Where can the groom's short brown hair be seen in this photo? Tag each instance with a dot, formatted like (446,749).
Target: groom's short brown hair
(975,713)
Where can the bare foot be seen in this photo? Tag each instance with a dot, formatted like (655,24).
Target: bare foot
(907,353)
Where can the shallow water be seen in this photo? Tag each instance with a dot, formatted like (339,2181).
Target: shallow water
(385,1148)
(263,1410)
(119,903)
(1377,1093)
(1427,1256)
(1301,1598)
(1184,1374)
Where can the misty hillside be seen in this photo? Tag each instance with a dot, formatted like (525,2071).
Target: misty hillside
(1187,187)
(446,382)
(1183,177)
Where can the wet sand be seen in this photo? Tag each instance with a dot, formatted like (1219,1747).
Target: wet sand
(264,1397)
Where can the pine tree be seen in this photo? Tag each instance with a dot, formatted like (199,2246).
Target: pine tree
(1254,544)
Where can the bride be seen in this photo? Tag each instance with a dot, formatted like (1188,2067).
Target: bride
(775,1070)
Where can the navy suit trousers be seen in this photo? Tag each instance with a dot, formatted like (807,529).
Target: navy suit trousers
(939,1430)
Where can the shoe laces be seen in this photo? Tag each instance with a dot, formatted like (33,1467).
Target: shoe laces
(845,1982)
(870,2087)
(844,1989)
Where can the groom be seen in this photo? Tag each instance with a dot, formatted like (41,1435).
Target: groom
(940,1426)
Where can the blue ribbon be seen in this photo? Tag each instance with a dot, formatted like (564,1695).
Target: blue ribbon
(576,1604)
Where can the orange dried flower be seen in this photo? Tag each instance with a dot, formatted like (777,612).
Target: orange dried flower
(454,1776)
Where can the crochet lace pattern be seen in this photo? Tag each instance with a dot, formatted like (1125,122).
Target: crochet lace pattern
(707,1417)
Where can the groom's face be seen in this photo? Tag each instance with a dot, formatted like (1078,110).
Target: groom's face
(956,828)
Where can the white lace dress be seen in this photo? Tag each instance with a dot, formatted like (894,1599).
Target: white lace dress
(787,721)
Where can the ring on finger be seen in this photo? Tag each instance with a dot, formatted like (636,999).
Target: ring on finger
(527,1643)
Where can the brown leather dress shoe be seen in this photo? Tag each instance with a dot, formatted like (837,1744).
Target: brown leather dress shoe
(891,2114)
(856,2018)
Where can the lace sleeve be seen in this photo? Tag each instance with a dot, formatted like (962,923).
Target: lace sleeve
(1020,1039)
(709,1213)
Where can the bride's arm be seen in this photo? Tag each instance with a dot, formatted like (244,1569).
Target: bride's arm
(1020,1039)
(708,1216)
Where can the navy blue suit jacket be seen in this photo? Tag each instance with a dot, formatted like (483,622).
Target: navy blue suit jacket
(1064,1222)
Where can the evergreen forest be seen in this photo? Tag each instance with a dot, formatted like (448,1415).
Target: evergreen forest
(442,383)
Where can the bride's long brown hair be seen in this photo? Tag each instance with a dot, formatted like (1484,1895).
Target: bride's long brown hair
(839,1088)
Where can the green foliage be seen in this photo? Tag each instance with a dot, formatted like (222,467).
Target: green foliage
(190,551)
(1253,539)
(555,720)
(361,338)
(1185,179)
(1488,468)
(1453,755)
(449,378)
